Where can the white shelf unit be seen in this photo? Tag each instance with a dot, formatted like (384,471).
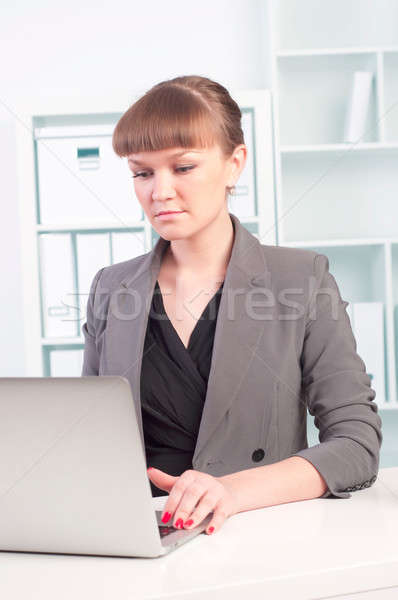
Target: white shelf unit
(334,197)
(77,204)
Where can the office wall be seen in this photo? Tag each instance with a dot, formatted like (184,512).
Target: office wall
(11,336)
(89,48)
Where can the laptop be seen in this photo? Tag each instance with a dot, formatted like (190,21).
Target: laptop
(73,473)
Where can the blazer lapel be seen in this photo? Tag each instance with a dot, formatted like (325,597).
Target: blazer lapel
(237,333)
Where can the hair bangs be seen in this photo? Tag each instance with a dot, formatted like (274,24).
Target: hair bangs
(167,117)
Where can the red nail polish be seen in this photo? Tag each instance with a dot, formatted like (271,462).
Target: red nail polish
(211,529)
(166,517)
(179,524)
(188,523)
(149,468)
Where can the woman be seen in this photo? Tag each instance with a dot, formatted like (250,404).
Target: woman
(221,361)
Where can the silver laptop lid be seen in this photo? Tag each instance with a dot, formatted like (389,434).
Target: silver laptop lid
(73,471)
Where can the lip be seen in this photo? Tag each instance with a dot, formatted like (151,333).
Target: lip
(169,214)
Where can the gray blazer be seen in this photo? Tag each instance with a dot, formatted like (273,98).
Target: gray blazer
(283,342)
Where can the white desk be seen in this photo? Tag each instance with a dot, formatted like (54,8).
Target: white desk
(311,549)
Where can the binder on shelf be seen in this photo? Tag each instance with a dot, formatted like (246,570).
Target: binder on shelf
(243,203)
(358,104)
(66,363)
(93,253)
(367,320)
(126,245)
(81,180)
(59,307)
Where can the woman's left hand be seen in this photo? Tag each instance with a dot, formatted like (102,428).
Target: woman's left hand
(192,496)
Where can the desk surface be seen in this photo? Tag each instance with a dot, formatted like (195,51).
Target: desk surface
(310,549)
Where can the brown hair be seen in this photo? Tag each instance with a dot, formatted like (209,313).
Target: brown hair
(188,111)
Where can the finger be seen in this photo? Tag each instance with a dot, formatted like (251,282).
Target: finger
(162,480)
(176,494)
(205,506)
(219,517)
(188,502)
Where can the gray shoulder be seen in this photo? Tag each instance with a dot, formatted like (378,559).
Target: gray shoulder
(112,275)
(281,259)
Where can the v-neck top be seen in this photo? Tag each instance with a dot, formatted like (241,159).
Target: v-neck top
(173,386)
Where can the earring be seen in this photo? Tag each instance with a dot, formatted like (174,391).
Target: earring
(231,190)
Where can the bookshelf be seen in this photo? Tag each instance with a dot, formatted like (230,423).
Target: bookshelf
(333,197)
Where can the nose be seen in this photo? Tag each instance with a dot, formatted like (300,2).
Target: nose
(162,187)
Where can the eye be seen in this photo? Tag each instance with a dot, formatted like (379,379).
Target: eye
(187,167)
(184,169)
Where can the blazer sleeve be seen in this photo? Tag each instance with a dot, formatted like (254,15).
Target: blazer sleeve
(91,355)
(337,392)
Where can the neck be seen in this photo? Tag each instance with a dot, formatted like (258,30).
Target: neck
(207,252)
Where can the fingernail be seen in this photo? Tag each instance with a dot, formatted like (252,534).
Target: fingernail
(211,529)
(149,468)
(179,524)
(189,523)
(166,517)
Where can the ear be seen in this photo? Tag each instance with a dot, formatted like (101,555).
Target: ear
(237,164)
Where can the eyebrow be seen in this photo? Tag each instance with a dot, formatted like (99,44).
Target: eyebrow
(138,162)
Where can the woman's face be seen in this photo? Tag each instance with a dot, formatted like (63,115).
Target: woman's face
(191,181)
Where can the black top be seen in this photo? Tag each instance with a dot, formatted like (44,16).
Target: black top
(173,386)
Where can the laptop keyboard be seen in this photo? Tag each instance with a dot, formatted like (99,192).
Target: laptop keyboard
(165,530)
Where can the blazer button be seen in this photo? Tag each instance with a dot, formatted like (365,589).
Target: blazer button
(258,455)
(259,280)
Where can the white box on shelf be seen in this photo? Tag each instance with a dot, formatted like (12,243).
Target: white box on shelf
(81,180)
(66,363)
(354,127)
(58,289)
(93,253)
(243,203)
(126,245)
(350,312)
(368,328)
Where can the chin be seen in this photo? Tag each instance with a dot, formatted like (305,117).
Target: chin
(170,237)
(171,231)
